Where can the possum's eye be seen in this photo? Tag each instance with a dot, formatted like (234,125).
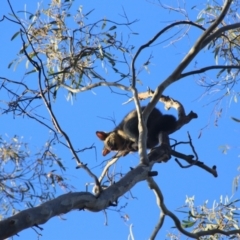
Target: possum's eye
(112,145)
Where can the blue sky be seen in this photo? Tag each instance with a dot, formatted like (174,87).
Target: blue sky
(84,116)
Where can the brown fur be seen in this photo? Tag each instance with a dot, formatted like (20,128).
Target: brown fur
(116,141)
(125,136)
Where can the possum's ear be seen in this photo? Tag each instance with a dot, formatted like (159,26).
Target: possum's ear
(102,135)
(105,152)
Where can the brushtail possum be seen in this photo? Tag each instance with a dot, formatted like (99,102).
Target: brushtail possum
(125,136)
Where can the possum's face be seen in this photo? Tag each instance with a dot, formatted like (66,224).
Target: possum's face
(112,142)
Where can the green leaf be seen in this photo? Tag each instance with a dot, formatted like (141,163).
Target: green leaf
(235,119)
(31,185)
(115,69)
(216,51)
(187,224)
(104,24)
(220,72)
(89,12)
(139,82)
(29,204)
(122,49)
(32,71)
(55,92)
(53,22)
(23,48)
(208,9)
(100,50)
(234,201)
(180,211)
(235,99)
(112,28)
(15,35)
(27,187)
(31,16)
(61,165)
(200,20)
(10,64)
(33,54)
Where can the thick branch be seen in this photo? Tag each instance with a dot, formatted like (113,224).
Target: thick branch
(72,201)
(142,129)
(41,214)
(187,59)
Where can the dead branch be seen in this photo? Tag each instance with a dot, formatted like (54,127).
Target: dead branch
(189,160)
(171,103)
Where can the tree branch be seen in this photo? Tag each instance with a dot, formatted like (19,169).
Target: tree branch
(217,33)
(72,201)
(142,146)
(160,200)
(189,159)
(89,87)
(186,60)
(40,70)
(201,70)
